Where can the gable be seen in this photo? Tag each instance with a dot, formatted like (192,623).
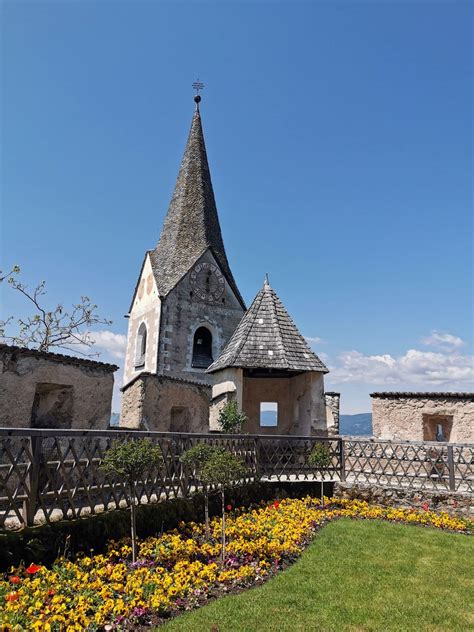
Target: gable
(146,290)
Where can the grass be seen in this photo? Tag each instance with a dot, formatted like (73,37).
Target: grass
(356,575)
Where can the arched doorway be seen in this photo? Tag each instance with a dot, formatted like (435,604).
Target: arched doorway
(202,349)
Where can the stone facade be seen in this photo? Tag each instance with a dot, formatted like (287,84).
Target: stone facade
(50,390)
(166,404)
(185,296)
(182,315)
(276,379)
(417,416)
(300,401)
(146,310)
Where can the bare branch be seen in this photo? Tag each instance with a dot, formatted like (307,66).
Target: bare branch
(57,328)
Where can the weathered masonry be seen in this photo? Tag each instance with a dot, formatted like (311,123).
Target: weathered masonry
(185,307)
(276,379)
(187,315)
(51,390)
(423,416)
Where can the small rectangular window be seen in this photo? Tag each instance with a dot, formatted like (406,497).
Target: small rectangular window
(269,414)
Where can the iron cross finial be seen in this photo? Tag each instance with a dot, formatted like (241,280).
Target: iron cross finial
(198,85)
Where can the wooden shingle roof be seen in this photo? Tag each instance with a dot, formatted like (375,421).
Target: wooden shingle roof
(267,338)
(192,224)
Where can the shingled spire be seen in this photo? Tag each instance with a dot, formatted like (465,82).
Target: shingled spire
(267,338)
(191,225)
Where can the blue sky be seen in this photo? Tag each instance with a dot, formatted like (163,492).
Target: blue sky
(339,137)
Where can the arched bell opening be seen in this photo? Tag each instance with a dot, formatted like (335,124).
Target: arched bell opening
(202,349)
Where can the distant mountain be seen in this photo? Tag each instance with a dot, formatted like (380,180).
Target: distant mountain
(268,418)
(356,424)
(114,419)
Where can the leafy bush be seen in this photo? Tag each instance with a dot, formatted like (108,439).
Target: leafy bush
(231,419)
(131,459)
(195,458)
(224,469)
(320,459)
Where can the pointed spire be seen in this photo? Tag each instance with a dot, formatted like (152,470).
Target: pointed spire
(192,224)
(267,338)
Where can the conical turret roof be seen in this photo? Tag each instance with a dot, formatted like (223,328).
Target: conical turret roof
(191,225)
(267,338)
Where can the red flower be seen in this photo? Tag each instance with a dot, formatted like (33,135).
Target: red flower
(426,506)
(51,592)
(32,569)
(276,504)
(13,596)
(15,579)
(229,507)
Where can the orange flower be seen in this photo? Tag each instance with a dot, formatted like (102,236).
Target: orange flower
(13,596)
(32,569)
(15,579)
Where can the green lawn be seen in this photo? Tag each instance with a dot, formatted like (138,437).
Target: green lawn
(357,575)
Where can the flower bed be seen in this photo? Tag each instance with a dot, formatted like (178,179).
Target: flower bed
(179,570)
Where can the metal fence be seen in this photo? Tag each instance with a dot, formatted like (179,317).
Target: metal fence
(48,475)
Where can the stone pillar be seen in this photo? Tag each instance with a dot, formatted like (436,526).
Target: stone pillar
(332,412)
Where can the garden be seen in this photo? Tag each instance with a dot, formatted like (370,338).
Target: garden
(180,570)
(368,567)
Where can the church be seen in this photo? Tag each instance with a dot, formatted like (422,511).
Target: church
(192,345)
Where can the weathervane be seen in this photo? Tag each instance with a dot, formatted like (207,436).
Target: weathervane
(198,85)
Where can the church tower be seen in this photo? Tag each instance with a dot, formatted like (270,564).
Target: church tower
(186,304)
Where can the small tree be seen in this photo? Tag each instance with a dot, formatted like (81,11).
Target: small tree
(130,459)
(224,469)
(320,458)
(195,458)
(231,419)
(51,327)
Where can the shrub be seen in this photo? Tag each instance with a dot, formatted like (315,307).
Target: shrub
(223,469)
(320,459)
(131,459)
(196,458)
(231,419)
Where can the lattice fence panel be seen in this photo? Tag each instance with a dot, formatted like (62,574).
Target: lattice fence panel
(47,476)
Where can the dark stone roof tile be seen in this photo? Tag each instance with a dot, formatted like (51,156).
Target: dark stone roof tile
(267,338)
(192,224)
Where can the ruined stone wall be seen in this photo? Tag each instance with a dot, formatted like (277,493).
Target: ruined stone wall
(76,396)
(182,315)
(405,418)
(165,404)
(332,412)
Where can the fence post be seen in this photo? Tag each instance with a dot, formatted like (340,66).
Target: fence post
(452,481)
(257,464)
(32,480)
(343,460)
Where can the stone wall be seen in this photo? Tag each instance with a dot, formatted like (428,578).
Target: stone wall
(146,308)
(182,315)
(300,399)
(451,502)
(413,417)
(166,404)
(333,401)
(48,390)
